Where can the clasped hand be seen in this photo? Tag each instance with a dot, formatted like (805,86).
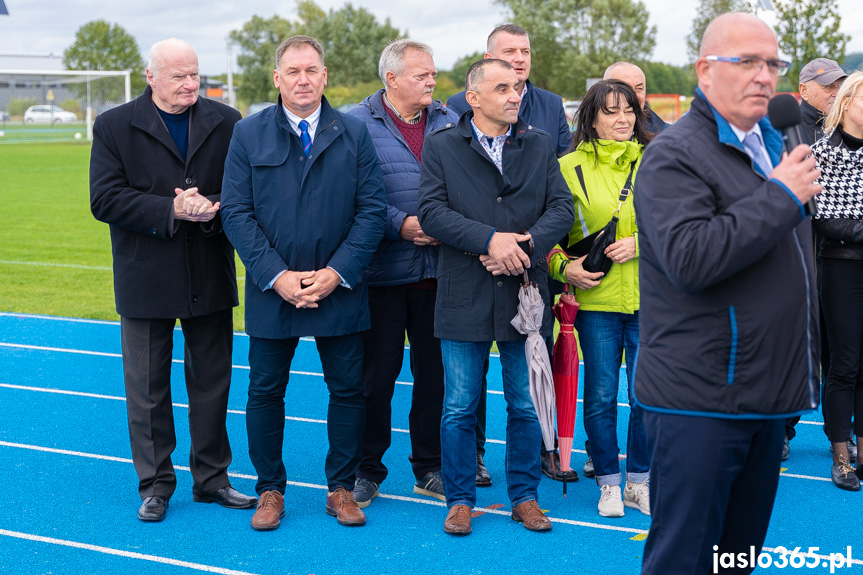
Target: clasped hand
(306,289)
(505,256)
(191,206)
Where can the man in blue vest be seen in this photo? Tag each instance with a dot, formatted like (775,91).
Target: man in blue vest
(402,275)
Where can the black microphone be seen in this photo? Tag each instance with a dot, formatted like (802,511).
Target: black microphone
(784,113)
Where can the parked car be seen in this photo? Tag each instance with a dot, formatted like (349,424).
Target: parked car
(45,114)
(258,106)
(4,116)
(348,106)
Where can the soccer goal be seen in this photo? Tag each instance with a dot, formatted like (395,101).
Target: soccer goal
(57,105)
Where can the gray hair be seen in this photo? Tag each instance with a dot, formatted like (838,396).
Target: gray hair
(393,57)
(513,29)
(295,41)
(476,72)
(160,50)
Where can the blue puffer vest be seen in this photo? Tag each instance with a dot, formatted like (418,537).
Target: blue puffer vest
(397,261)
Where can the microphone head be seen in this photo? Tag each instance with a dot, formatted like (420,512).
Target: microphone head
(783,111)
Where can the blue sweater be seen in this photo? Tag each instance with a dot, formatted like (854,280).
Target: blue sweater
(397,261)
(539,108)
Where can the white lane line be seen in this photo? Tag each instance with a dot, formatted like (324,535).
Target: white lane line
(121,553)
(55,318)
(53,265)
(320,487)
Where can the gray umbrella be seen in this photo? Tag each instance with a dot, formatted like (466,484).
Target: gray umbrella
(528,320)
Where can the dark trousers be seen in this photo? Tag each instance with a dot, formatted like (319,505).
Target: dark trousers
(704,497)
(394,310)
(842,289)
(270,365)
(147,346)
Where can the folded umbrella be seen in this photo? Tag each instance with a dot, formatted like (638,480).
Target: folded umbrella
(565,370)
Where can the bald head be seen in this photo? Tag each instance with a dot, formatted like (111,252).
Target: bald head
(727,27)
(630,74)
(165,50)
(736,88)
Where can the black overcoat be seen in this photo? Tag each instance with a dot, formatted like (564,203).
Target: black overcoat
(163,268)
(463,198)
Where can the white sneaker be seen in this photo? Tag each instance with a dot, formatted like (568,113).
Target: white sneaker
(610,504)
(637,496)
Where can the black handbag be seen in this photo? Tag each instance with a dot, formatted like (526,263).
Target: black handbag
(594,245)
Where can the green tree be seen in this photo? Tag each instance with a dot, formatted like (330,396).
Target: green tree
(459,69)
(573,40)
(852,62)
(809,29)
(257,41)
(100,45)
(352,39)
(707,11)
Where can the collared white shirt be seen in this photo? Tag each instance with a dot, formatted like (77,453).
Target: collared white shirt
(756,129)
(295,120)
(493,145)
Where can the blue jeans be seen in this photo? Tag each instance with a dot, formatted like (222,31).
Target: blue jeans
(603,336)
(463,373)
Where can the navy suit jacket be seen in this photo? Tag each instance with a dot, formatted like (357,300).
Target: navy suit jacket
(283,211)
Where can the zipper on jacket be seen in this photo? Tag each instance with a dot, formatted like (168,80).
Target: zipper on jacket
(732,357)
(813,394)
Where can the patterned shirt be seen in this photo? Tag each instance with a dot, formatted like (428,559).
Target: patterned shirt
(493,145)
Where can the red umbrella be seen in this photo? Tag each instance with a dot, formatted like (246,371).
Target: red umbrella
(565,370)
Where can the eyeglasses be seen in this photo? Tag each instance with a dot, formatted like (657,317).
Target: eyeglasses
(751,64)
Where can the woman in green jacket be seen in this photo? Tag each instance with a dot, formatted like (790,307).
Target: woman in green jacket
(608,145)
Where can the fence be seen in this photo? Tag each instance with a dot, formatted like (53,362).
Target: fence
(50,105)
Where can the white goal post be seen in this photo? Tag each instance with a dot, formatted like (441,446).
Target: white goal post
(64,102)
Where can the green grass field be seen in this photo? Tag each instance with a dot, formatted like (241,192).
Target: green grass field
(55,258)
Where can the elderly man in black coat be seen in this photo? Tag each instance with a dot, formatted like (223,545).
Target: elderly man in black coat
(486,184)
(155,177)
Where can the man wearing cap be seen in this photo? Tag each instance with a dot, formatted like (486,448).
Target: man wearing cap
(819,82)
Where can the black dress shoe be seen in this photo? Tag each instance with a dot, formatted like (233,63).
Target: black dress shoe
(844,476)
(556,474)
(483,478)
(226,497)
(153,508)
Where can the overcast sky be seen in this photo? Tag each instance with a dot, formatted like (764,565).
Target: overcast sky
(49,26)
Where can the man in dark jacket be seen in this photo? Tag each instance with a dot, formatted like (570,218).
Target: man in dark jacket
(486,184)
(402,274)
(819,82)
(634,76)
(729,338)
(304,205)
(156,178)
(540,109)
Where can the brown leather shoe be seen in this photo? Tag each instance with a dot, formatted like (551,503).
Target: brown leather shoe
(530,514)
(342,505)
(457,520)
(271,508)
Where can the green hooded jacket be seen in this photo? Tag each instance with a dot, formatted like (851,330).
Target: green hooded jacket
(618,290)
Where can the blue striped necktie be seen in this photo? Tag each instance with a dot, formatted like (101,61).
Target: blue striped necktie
(753,143)
(305,138)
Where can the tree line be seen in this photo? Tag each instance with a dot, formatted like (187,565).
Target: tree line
(572,41)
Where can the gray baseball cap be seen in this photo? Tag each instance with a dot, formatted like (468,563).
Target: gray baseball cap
(822,70)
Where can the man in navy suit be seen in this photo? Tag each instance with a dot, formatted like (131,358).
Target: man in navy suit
(304,205)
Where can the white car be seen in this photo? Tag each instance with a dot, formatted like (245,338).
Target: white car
(49,115)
